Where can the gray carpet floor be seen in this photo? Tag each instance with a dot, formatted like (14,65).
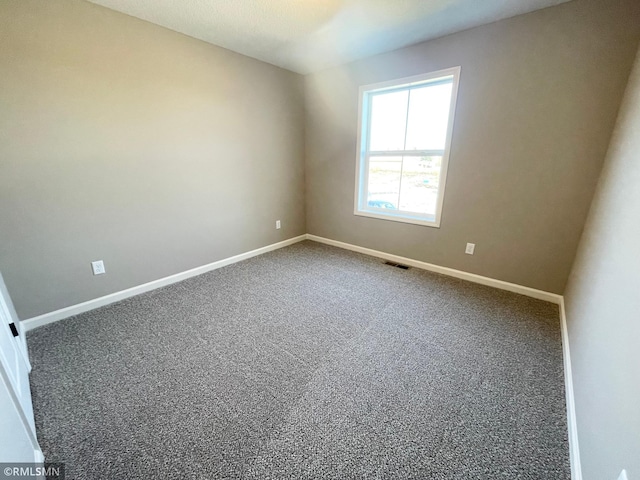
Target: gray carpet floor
(306,362)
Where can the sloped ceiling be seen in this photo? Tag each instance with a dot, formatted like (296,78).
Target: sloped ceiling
(310,35)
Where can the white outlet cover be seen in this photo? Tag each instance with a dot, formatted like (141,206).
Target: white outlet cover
(98,267)
(278,225)
(623,475)
(471,247)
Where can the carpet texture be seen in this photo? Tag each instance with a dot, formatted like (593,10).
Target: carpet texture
(306,362)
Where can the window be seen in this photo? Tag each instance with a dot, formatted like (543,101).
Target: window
(404,138)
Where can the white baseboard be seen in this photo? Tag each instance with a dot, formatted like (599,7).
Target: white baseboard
(38,456)
(34,322)
(574,450)
(472,277)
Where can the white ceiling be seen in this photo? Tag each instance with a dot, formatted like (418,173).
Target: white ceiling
(309,35)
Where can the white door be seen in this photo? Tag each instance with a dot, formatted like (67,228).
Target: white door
(18,432)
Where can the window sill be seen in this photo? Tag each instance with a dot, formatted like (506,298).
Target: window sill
(425,222)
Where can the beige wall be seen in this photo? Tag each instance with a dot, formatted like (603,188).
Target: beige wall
(603,308)
(155,152)
(537,103)
(126,142)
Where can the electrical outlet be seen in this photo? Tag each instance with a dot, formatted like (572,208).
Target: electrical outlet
(471,247)
(623,475)
(98,267)
(278,225)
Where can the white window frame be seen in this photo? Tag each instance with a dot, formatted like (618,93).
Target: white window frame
(361,207)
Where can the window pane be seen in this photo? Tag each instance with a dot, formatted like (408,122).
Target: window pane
(419,184)
(428,117)
(388,121)
(384,182)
